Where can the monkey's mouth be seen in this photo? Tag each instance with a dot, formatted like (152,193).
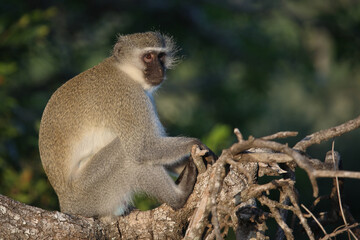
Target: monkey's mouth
(155,81)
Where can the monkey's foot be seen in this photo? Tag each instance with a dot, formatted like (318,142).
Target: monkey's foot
(197,156)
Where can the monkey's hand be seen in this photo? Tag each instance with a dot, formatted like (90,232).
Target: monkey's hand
(208,155)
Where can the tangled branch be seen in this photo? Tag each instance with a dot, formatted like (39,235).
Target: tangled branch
(268,154)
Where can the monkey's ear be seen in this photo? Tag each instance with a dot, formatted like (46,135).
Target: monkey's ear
(117,50)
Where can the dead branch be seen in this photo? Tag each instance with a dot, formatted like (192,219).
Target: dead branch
(276,215)
(315,219)
(301,160)
(264,157)
(327,134)
(285,134)
(339,231)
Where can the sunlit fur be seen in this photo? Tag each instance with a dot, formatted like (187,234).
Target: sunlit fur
(100,138)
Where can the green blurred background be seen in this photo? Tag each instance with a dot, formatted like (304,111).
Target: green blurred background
(261,66)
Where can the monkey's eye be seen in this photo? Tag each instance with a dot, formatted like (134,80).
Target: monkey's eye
(162,56)
(148,57)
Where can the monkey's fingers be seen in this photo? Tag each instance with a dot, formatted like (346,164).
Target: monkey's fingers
(209,156)
(200,152)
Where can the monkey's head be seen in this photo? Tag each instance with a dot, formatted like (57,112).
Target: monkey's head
(145,57)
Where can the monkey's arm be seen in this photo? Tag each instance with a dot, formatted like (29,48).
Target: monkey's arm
(168,150)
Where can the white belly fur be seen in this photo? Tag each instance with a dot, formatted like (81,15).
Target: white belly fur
(90,142)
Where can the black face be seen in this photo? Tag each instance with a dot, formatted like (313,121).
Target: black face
(154,67)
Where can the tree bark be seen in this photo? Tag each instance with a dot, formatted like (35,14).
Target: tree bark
(20,221)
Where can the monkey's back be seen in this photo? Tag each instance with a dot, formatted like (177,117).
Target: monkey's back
(87,113)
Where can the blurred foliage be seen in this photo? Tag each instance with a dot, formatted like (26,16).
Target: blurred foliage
(261,66)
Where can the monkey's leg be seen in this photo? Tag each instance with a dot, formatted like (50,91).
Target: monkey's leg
(111,176)
(156,182)
(103,184)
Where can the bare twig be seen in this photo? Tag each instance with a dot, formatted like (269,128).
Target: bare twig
(291,193)
(337,185)
(338,193)
(284,134)
(327,134)
(331,174)
(315,219)
(238,135)
(276,215)
(284,198)
(339,231)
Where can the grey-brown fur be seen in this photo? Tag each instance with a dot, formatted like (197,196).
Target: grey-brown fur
(100,138)
(127,43)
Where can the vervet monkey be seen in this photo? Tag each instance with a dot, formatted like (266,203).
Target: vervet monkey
(100,138)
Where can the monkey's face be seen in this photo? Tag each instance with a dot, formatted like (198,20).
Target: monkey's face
(154,72)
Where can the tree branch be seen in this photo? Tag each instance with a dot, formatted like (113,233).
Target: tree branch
(327,134)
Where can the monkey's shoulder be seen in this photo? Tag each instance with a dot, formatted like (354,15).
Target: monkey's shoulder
(105,79)
(104,72)
(101,91)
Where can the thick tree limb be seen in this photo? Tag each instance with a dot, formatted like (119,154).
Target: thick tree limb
(20,221)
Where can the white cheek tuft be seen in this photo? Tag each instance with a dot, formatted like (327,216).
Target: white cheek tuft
(136,74)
